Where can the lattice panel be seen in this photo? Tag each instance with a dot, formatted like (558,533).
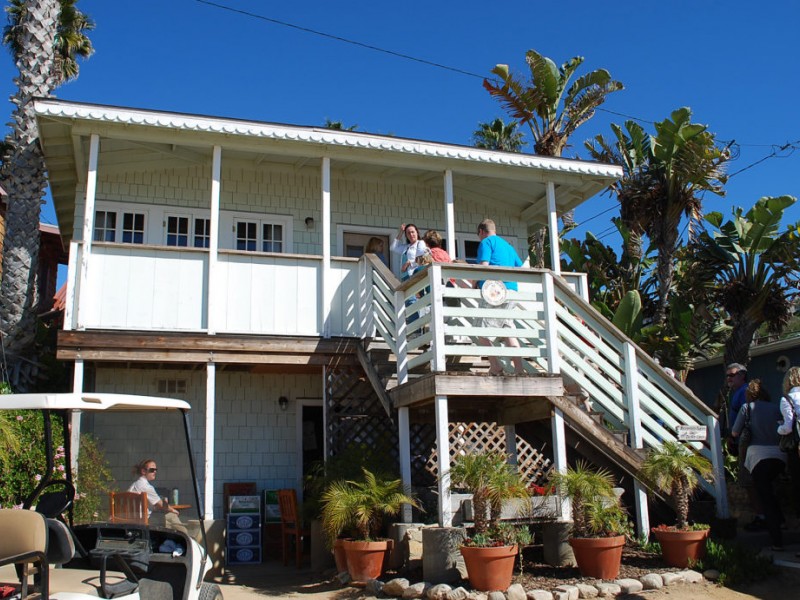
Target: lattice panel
(471,438)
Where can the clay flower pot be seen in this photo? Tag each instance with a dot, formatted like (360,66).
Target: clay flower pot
(339,555)
(598,557)
(365,559)
(680,547)
(489,569)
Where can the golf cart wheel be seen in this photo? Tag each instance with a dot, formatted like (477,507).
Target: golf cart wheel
(210,591)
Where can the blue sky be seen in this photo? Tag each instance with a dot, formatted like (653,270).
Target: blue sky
(734,63)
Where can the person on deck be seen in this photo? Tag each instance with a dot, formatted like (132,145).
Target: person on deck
(160,512)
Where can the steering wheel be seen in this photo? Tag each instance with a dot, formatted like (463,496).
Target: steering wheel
(53,504)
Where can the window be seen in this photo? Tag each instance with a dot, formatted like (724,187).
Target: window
(133,228)
(202,233)
(272,238)
(246,236)
(105,226)
(270,234)
(177,231)
(172,386)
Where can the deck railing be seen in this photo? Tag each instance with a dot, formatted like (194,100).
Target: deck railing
(437,316)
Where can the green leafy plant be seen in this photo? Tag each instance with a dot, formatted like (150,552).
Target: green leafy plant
(736,563)
(93,480)
(676,470)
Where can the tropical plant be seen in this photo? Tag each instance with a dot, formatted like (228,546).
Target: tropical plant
(752,270)
(45,45)
(339,125)
(552,109)
(362,505)
(596,511)
(497,135)
(676,470)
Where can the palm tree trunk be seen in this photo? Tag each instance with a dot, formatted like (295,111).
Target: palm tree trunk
(24,179)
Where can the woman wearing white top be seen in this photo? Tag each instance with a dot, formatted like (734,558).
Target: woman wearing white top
(409,246)
(790,407)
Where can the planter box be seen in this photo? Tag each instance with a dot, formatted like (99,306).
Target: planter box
(536,507)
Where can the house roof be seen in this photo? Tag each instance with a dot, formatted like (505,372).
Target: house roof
(138,139)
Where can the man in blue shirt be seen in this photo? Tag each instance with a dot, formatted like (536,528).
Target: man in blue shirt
(495,251)
(736,379)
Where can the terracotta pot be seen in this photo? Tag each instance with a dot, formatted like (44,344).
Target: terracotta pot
(339,555)
(598,557)
(364,559)
(678,548)
(489,569)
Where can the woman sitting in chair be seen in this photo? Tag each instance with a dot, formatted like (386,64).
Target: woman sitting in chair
(165,514)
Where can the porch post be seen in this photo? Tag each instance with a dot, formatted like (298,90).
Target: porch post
(635,431)
(404,434)
(208,459)
(75,416)
(443,448)
(213,242)
(552,226)
(511,444)
(718,464)
(73,273)
(438,360)
(449,213)
(326,246)
(88,229)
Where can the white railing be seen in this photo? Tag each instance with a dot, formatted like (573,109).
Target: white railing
(438,316)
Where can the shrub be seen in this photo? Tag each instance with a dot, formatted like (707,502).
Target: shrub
(93,481)
(736,563)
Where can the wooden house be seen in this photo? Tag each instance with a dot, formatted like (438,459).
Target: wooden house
(220,261)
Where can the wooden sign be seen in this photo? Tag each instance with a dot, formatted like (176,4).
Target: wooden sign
(692,433)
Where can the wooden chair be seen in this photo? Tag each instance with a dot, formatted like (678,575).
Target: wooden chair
(291,526)
(128,507)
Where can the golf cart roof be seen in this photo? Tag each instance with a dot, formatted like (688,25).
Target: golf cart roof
(89,401)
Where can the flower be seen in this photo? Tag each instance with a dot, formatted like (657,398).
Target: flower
(37,477)
(19,417)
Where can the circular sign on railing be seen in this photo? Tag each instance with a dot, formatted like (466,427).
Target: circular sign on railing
(494,292)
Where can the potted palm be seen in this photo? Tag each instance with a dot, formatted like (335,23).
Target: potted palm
(489,554)
(599,523)
(361,505)
(676,470)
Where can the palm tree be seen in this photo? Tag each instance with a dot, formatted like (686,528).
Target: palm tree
(45,44)
(339,125)
(752,269)
(552,109)
(496,135)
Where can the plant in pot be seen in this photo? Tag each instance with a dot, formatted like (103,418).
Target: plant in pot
(676,470)
(599,523)
(361,505)
(490,553)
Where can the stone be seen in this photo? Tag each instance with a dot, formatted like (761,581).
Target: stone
(416,590)
(441,553)
(438,591)
(343,577)
(652,581)
(539,595)
(560,595)
(374,587)
(516,592)
(395,587)
(629,586)
(571,591)
(496,596)
(672,578)
(692,576)
(711,574)
(607,589)
(555,544)
(586,591)
(476,595)
(459,593)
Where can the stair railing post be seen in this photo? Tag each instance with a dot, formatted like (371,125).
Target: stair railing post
(635,433)
(438,360)
(365,299)
(402,413)
(404,435)
(718,464)
(443,447)
(401,336)
(554,368)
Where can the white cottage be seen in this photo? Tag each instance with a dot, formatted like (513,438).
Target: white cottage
(220,261)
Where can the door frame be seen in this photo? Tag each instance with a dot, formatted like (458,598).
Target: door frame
(300,403)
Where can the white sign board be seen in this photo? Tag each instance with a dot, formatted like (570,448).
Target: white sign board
(692,433)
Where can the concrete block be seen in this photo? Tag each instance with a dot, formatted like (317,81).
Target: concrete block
(440,553)
(555,540)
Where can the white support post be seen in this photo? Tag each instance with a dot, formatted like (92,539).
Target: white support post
(404,434)
(326,247)
(552,226)
(401,336)
(511,444)
(449,213)
(718,464)
(88,229)
(75,416)
(438,362)
(443,447)
(213,243)
(551,324)
(366,319)
(560,457)
(208,460)
(636,433)
(73,268)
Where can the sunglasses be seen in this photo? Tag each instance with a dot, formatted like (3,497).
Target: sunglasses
(152,470)
(732,374)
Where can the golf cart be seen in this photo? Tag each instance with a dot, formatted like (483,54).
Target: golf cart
(108,559)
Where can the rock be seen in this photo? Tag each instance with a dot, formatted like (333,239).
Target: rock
(396,587)
(343,577)
(607,589)
(516,592)
(711,574)
(692,576)
(586,591)
(476,595)
(416,590)
(629,586)
(374,587)
(652,581)
(672,578)
(458,594)
(571,591)
(497,596)
(438,591)
(539,595)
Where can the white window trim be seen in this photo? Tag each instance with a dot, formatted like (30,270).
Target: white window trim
(229,220)
(120,209)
